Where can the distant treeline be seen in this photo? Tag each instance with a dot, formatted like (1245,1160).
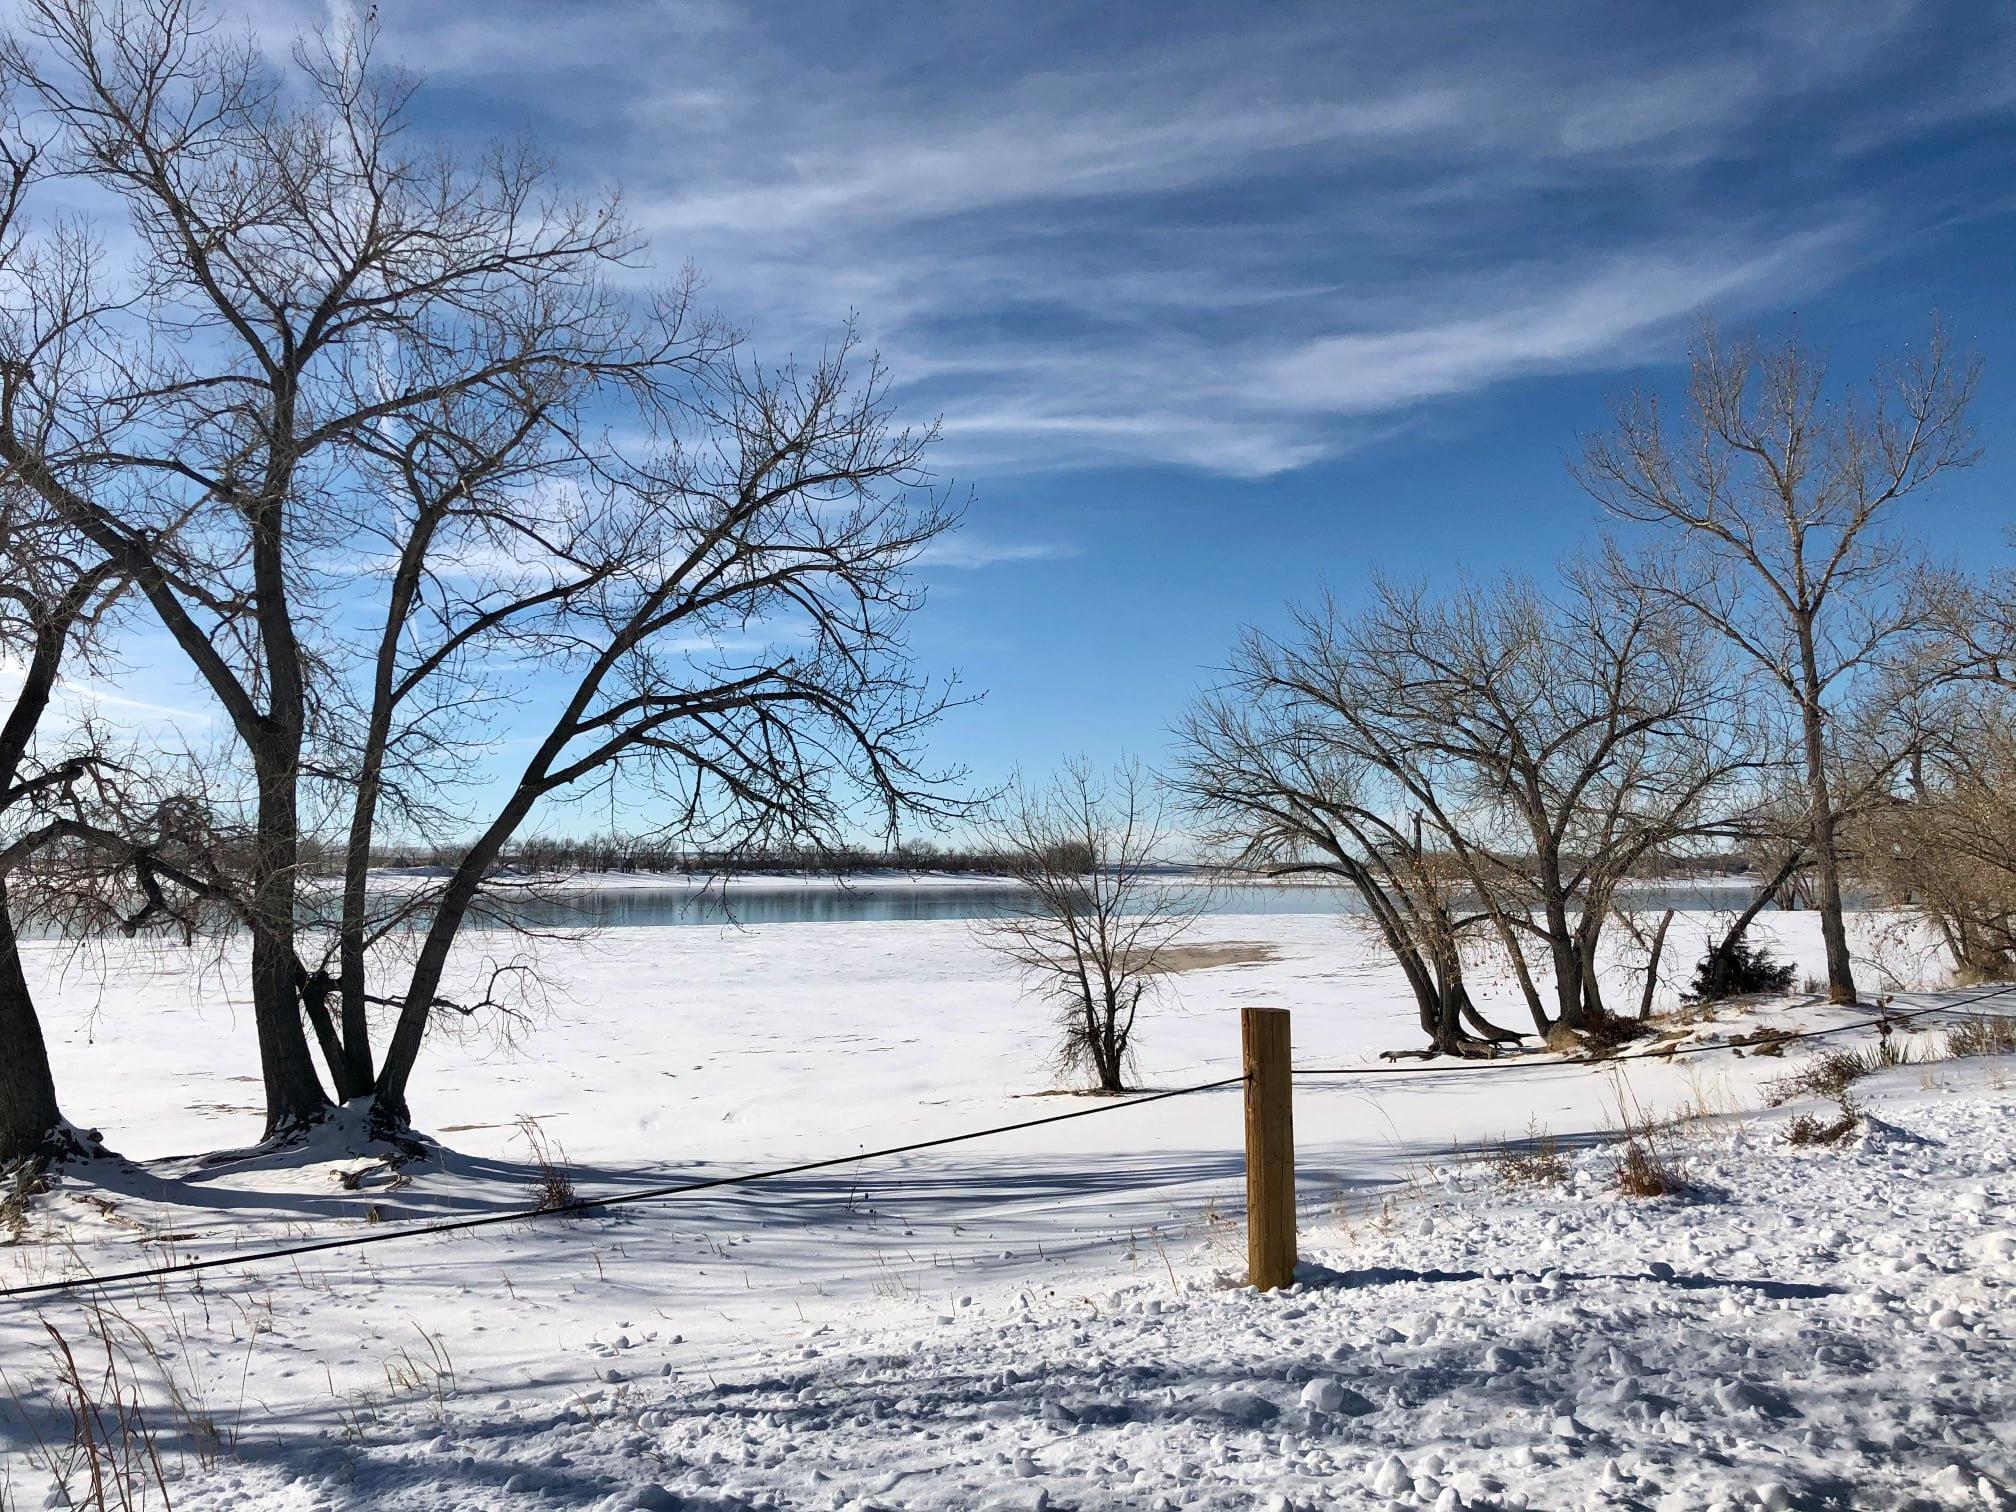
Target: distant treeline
(623,854)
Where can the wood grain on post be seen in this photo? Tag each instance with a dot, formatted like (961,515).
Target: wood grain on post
(1270,1149)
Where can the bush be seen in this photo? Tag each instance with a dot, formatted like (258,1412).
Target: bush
(1644,1170)
(1832,1074)
(1535,1161)
(1982,1034)
(1808,1130)
(1739,970)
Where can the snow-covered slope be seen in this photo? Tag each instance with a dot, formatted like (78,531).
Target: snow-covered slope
(1809,1328)
(1035,1315)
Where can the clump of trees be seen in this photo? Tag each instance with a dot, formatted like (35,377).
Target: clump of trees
(1095,925)
(1946,849)
(374,432)
(1489,764)
(1768,668)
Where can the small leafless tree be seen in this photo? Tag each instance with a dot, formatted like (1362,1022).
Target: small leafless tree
(1096,922)
(1782,502)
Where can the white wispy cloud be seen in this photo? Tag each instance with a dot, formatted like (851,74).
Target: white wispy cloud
(77,699)
(1236,240)
(965,549)
(1588,318)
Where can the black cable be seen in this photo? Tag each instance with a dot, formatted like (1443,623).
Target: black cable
(587,1204)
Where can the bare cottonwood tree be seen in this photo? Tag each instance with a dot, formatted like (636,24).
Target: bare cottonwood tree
(91,837)
(1943,848)
(1548,744)
(1783,502)
(51,598)
(1282,791)
(365,423)
(1094,927)
(78,847)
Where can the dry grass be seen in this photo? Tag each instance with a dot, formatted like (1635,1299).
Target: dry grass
(1805,1129)
(1535,1161)
(1642,1169)
(1982,1034)
(1832,1074)
(1644,1165)
(552,1184)
(109,1453)
(431,1376)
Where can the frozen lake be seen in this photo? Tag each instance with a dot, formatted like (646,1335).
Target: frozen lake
(753,902)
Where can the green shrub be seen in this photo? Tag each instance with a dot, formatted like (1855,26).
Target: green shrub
(1741,969)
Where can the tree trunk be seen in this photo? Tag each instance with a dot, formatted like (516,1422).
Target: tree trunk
(30,1120)
(1652,964)
(1592,990)
(1108,1053)
(294,1095)
(423,985)
(1569,996)
(354,1076)
(1423,981)
(1833,928)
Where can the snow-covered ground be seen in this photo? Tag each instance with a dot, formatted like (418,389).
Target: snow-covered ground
(1042,1315)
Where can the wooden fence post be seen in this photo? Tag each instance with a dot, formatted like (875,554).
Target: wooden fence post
(1270,1149)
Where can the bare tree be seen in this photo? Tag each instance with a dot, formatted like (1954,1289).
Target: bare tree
(74,848)
(1094,927)
(1943,848)
(1783,502)
(366,423)
(1282,792)
(91,838)
(1548,744)
(804,503)
(48,601)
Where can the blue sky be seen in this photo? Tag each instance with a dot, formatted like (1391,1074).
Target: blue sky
(1222,302)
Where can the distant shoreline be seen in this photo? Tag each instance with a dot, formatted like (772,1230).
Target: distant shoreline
(780,881)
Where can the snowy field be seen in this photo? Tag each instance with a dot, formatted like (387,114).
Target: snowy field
(1037,1319)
